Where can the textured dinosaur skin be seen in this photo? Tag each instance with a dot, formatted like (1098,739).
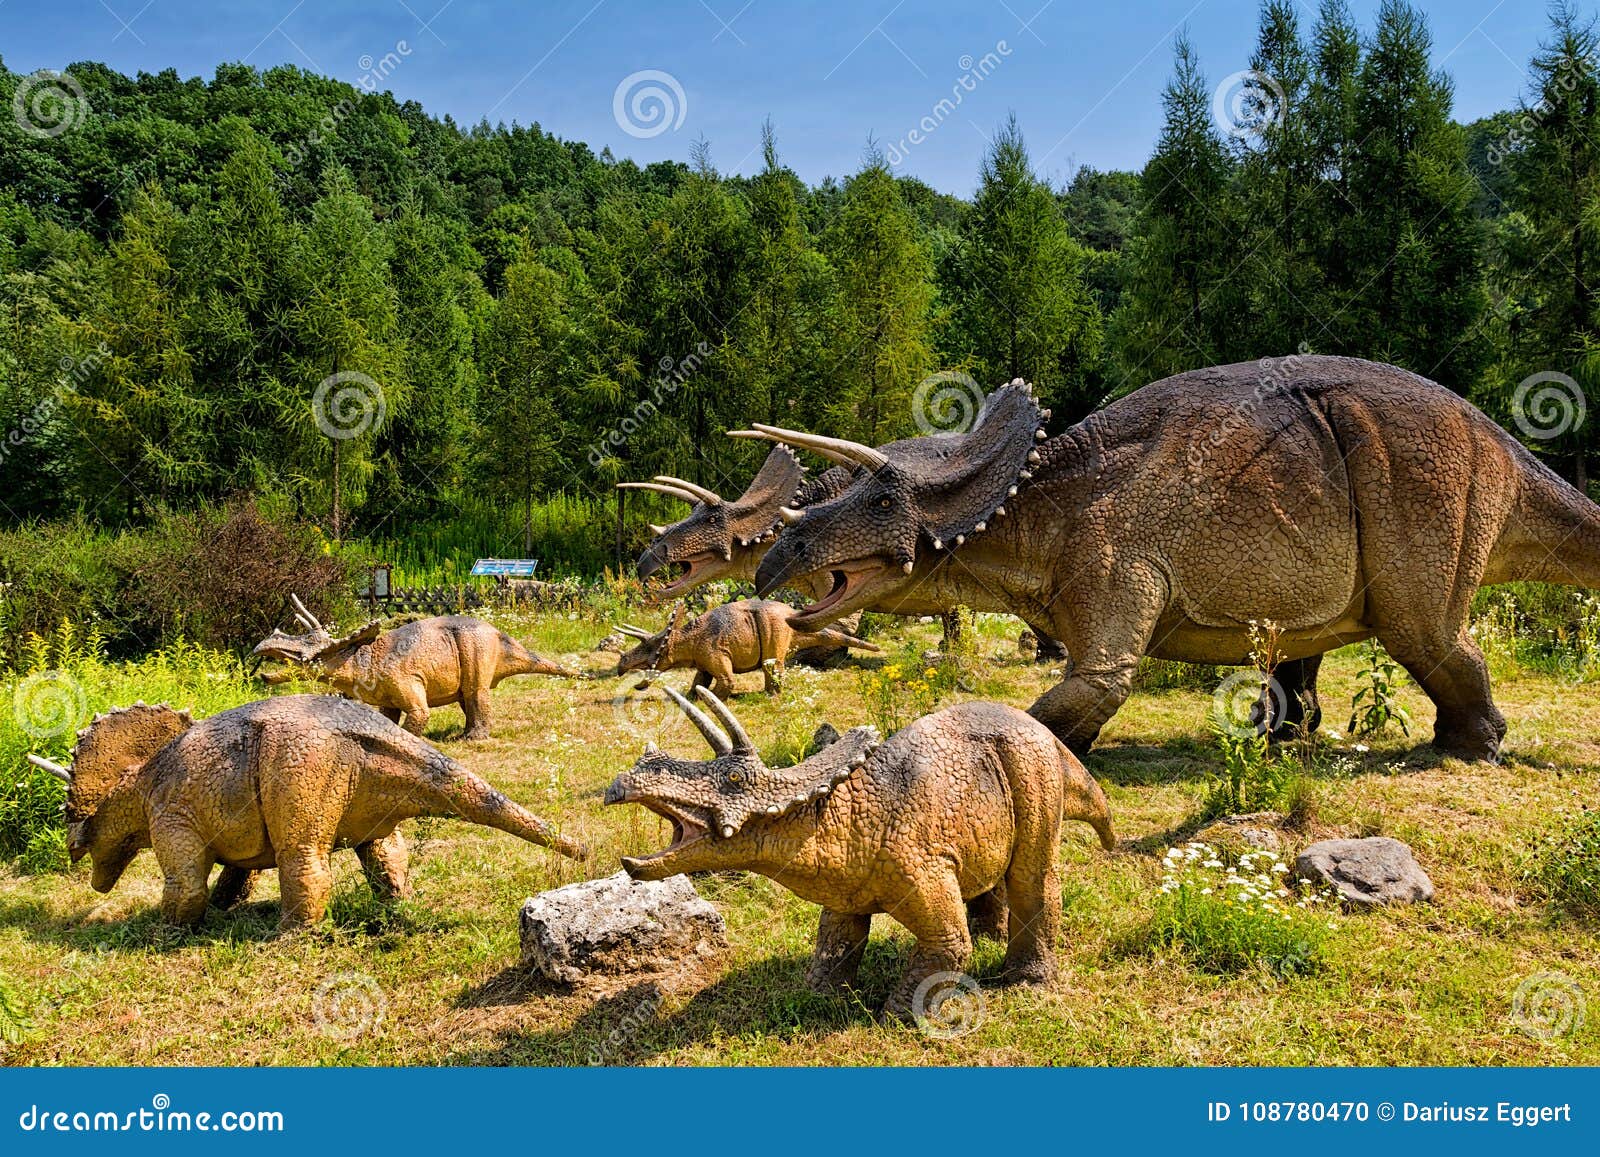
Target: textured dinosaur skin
(961,804)
(1341,499)
(277,783)
(727,540)
(406,671)
(728,640)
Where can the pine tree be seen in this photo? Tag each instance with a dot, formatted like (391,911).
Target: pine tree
(1557,193)
(1025,311)
(1418,293)
(347,360)
(882,343)
(1181,308)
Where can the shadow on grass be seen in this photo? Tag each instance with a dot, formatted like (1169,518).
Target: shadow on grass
(755,1002)
(352,911)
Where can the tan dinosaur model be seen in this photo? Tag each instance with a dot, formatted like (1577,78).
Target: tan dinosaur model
(1338,499)
(406,671)
(747,635)
(953,807)
(277,783)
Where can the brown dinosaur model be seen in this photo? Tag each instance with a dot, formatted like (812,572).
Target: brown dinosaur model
(404,672)
(747,635)
(276,783)
(956,805)
(1338,498)
(726,540)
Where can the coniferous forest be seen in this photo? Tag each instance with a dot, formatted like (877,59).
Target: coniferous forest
(510,319)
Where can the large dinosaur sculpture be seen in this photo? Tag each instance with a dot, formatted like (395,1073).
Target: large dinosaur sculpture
(276,783)
(736,637)
(1340,499)
(404,672)
(955,806)
(722,539)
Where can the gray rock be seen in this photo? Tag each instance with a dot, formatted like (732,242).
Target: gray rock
(616,925)
(615,643)
(1255,830)
(825,734)
(1376,870)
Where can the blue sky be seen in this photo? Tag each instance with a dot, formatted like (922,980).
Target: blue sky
(1084,79)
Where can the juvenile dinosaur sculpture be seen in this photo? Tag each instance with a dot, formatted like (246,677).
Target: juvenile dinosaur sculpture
(404,672)
(276,783)
(956,805)
(731,639)
(1339,499)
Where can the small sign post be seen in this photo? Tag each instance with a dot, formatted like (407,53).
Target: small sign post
(505,568)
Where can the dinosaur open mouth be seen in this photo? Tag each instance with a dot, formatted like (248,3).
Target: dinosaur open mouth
(847,582)
(686,828)
(687,576)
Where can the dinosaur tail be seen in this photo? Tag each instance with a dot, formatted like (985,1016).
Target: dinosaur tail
(518,660)
(832,637)
(1552,536)
(1083,799)
(469,797)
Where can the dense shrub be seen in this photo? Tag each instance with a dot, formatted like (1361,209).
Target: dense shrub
(217,576)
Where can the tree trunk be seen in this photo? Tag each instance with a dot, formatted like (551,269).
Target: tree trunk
(337,529)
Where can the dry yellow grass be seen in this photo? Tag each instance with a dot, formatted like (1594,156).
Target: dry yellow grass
(105,983)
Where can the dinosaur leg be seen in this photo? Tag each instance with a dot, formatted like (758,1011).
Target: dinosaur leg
(1105,656)
(416,710)
(935,915)
(719,670)
(233,887)
(476,709)
(841,942)
(1050,650)
(186,861)
(1035,893)
(1301,709)
(306,881)
(1456,678)
(986,913)
(387,866)
(701,679)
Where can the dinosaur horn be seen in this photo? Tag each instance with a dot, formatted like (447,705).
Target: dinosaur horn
(300,607)
(709,497)
(670,491)
(718,741)
(304,622)
(51,766)
(735,729)
(790,515)
(657,529)
(840,450)
(633,632)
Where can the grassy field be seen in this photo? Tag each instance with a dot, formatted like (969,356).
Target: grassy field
(102,981)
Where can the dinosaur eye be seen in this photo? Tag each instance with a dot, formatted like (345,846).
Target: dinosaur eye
(735,777)
(885,503)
